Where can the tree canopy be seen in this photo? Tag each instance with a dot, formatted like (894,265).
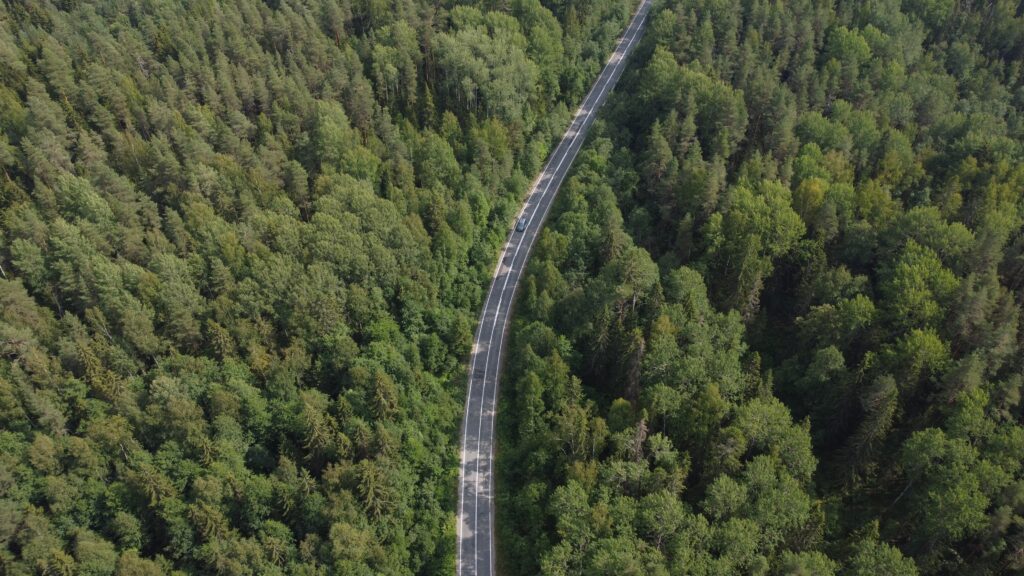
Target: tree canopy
(773,324)
(242,245)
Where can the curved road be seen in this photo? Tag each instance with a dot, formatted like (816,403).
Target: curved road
(476,498)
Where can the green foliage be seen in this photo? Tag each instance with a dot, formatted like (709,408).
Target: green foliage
(241,249)
(773,327)
(828,341)
(663,370)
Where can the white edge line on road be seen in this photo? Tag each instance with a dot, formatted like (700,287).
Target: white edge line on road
(567,154)
(614,62)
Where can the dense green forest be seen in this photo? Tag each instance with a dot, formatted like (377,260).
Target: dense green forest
(242,248)
(773,325)
(772,328)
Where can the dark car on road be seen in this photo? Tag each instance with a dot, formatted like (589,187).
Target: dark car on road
(521,224)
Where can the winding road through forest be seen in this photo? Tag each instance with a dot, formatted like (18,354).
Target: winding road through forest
(475,554)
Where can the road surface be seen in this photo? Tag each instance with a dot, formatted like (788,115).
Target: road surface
(475,556)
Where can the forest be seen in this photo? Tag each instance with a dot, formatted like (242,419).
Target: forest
(773,324)
(242,249)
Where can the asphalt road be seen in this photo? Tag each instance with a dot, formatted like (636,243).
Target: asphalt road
(475,554)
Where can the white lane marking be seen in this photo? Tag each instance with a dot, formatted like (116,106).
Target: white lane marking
(487,358)
(550,175)
(588,108)
(487,354)
(501,337)
(465,419)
